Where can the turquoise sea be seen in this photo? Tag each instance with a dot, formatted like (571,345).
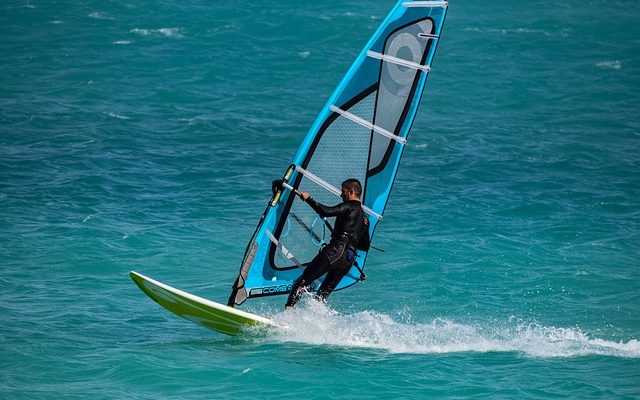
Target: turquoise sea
(144,135)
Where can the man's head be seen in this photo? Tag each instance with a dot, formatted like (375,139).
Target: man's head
(351,190)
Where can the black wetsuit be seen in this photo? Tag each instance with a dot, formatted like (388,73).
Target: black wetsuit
(350,233)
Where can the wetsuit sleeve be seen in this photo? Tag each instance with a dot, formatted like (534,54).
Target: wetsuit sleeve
(326,211)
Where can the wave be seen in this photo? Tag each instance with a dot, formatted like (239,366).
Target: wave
(100,15)
(317,324)
(118,116)
(564,33)
(613,64)
(166,32)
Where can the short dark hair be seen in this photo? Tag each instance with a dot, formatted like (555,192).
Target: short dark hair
(354,185)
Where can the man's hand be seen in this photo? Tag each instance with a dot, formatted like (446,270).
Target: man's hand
(304,196)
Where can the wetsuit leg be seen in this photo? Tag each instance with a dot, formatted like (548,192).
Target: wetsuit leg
(334,276)
(315,270)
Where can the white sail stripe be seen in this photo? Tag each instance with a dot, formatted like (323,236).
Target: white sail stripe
(398,61)
(284,250)
(322,183)
(368,125)
(425,4)
(319,181)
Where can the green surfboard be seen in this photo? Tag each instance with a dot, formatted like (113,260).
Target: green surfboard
(207,313)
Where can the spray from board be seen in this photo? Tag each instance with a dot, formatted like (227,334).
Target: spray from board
(317,324)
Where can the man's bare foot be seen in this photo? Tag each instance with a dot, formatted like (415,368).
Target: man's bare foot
(286,308)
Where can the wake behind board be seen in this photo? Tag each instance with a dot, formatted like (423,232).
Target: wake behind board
(207,313)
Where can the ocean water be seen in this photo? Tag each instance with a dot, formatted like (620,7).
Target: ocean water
(144,136)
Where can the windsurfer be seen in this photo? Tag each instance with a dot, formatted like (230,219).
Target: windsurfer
(350,233)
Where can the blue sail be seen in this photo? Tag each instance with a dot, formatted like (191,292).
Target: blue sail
(360,133)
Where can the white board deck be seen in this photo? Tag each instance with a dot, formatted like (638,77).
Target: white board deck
(212,315)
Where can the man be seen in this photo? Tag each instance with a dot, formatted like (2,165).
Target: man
(350,233)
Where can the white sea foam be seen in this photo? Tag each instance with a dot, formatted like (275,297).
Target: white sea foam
(100,15)
(118,116)
(562,33)
(613,64)
(189,121)
(318,325)
(166,32)
(123,42)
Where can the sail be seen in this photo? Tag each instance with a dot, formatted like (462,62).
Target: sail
(360,133)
